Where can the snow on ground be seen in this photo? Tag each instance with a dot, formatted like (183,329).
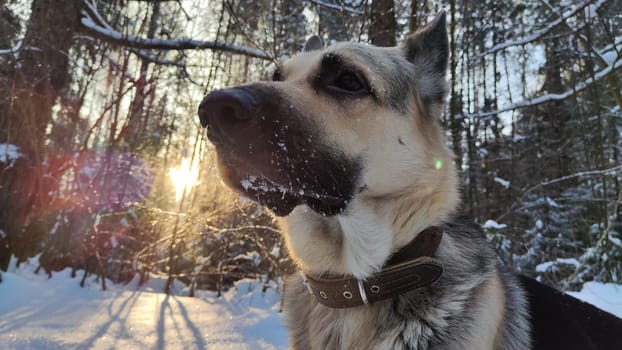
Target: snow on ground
(41,313)
(606,296)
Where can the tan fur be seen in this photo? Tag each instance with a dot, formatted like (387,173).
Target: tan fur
(406,194)
(401,201)
(490,315)
(358,327)
(405,183)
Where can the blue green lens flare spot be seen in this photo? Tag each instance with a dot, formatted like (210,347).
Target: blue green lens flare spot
(438,164)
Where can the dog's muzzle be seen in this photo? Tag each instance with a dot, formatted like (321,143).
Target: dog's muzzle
(272,152)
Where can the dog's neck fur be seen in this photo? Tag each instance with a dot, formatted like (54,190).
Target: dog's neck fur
(461,310)
(467,301)
(360,240)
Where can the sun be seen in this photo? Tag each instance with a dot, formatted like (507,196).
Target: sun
(184,177)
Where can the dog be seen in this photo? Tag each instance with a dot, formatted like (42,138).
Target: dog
(345,147)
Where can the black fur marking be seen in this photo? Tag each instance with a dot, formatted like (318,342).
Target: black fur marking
(400,89)
(331,60)
(275,156)
(399,77)
(432,44)
(330,77)
(429,51)
(413,306)
(437,98)
(399,139)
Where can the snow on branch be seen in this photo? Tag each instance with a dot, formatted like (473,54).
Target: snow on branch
(13,50)
(341,8)
(529,102)
(93,24)
(542,32)
(9,153)
(610,53)
(17,48)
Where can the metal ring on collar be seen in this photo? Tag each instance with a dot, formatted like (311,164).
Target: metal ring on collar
(362,292)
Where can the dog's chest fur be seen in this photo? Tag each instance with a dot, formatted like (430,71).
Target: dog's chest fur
(379,326)
(467,308)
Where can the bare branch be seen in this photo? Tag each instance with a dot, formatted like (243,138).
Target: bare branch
(542,32)
(98,28)
(530,102)
(600,55)
(157,60)
(575,175)
(581,174)
(340,8)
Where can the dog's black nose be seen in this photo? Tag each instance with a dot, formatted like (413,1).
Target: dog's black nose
(222,109)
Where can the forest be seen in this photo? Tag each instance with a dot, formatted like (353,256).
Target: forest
(104,168)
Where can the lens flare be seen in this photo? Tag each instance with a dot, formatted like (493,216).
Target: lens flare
(184,177)
(438,164)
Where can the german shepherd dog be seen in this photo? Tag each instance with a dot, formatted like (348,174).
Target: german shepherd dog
(346,148)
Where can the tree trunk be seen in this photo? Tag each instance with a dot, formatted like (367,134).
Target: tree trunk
(455,101)
(332,24)
(419,11)
(137,117)
(382,26)
(30,91)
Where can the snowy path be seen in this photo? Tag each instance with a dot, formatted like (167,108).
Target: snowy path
(40,314)
(37,313)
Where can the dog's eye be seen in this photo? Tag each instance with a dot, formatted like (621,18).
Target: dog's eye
(350,82)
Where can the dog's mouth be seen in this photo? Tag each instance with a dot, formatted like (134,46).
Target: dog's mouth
(251,183)
(274,191)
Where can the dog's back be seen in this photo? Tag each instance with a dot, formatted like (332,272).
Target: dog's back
(559,321)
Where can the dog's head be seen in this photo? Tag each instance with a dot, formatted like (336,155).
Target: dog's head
(335,123)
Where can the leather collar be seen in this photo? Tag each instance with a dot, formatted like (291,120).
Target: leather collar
(409,268)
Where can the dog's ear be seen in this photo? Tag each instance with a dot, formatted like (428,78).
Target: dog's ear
(428,49)
(313,43)
(431,44)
